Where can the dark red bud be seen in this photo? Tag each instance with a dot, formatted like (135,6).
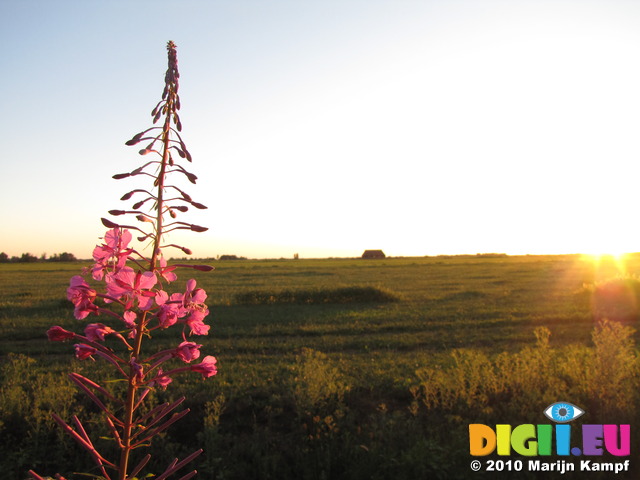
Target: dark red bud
(135,139)
(143,218)
(198,228)
(121,175)
(116,212)
(108,223)
(204,268)
(181,208)
(199,205)
(127,196)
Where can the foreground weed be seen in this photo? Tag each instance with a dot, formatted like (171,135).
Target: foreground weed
(136,303)
(604,378)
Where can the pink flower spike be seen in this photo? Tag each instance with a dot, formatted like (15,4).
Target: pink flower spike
(207,368)
(84,351)
(187,351)
(96,332)
(59,334)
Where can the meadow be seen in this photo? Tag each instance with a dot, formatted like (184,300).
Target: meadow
(346,368)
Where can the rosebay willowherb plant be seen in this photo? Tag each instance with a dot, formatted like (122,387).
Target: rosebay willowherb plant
(134,302)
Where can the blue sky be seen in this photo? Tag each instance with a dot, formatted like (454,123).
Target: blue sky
(327,127)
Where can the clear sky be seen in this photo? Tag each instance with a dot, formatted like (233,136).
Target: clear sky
(326,127)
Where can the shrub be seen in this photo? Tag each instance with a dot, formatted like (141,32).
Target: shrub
(604,379)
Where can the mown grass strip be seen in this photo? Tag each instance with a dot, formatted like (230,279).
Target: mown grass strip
(317,296)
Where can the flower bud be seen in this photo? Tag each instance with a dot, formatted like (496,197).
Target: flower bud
(136,138)
(84,351)
(108,223)
(143,218)
(207,368)
(127,196)
(96,332)
(59,334)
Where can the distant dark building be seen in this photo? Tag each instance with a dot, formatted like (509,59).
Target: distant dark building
(373,254)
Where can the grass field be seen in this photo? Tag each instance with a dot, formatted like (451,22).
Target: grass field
(346,368)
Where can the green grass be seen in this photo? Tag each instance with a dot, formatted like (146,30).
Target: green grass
(323,362)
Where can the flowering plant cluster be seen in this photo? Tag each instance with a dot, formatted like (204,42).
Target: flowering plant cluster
(134,302)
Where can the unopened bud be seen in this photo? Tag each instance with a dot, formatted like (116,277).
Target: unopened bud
(135,139)
(204,268)
(127,196)
(108,223)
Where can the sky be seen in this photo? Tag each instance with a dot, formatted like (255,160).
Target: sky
(326,127)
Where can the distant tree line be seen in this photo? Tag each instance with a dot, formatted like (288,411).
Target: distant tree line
(28,258)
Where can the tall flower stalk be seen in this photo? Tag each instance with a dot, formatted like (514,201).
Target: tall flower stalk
(136,303)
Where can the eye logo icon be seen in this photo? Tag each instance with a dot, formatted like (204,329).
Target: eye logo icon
(563,412)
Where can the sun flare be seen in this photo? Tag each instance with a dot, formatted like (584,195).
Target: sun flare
(608,264)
